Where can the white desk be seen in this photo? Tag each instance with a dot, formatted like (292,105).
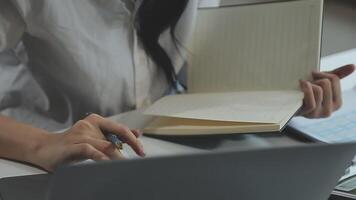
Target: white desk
(172,146)
(156,147)
(9,168)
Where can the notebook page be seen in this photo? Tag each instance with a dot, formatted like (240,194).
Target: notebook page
(266,46)
(250,106)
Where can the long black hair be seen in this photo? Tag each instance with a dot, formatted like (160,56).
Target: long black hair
(153,17)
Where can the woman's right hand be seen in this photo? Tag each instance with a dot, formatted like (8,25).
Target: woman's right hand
(85,140)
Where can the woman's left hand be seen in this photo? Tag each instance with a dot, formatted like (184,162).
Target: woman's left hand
(322,95)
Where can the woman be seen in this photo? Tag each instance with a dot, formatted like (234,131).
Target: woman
(106,57)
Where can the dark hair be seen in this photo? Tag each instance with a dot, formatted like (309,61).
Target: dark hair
(153,17)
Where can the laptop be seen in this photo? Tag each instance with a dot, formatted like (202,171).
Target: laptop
(294,173)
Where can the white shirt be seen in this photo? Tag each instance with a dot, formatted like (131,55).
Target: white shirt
(83,56)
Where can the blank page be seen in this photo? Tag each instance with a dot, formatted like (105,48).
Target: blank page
(253,106)
(266,46)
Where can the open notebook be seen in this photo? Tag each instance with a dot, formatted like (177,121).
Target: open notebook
(245,65)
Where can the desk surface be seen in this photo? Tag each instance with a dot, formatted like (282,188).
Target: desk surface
(9,168)
(174,146)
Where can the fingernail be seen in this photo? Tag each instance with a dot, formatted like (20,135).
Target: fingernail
(143,154)
(142,151)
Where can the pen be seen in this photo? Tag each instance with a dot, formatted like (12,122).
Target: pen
(115,140)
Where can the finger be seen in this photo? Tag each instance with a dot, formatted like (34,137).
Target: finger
(116,155)
(318,98)
(85,151)
(102,145)
(137,132)
(125,134)
(87,128)
(344,71)
(327,97)
(119,129)
(309,103)
(335,86)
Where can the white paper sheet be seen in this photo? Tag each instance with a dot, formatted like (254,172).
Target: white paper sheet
(255,47)
(253,106)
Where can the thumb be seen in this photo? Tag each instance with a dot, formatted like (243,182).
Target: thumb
(344,71)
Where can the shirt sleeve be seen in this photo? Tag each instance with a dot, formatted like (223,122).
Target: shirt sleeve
(12,25)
